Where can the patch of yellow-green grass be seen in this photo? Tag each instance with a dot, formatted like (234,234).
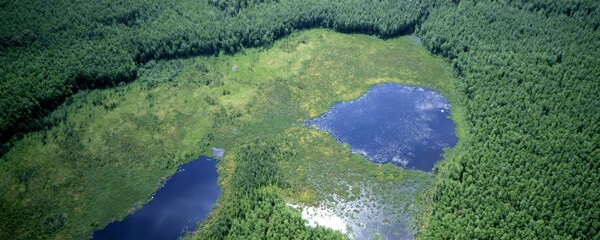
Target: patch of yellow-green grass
(109,149)
(107,153)
(340,68)
(319,156)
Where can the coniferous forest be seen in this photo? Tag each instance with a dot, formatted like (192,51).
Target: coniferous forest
(527,75)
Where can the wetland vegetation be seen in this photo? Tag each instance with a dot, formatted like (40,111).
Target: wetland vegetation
(404,125)
(175,111)
(102,101)
(184,199)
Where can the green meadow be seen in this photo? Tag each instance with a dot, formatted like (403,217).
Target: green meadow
(112,148)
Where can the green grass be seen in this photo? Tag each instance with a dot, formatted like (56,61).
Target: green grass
(113,147)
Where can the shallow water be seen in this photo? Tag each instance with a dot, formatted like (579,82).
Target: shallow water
(405,125)
(368,215)
(185,199)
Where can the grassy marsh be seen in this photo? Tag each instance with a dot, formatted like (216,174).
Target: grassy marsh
(110,149)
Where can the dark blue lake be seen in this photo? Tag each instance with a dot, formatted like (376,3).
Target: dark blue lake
(185,199)
(405,125)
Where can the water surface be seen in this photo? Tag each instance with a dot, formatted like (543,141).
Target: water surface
(405,125)
(185,199)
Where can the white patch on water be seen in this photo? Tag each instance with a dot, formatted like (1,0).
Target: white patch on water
(322,216)
(361,152)
(218,153)
(361,217)
(389,123)
(399,160)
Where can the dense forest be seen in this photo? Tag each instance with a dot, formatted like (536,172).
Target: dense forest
(529,79)
(58,48)
(254,209)
(528,74)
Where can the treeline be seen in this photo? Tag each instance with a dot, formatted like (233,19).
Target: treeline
(234,6)
(50,50)
(549,7)
(253,209)
(528,76)
(39,182)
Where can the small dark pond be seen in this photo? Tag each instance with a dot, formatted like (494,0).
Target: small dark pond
(185,199)
(405,125)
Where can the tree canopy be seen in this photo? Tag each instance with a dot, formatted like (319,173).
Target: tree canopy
(528,74)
